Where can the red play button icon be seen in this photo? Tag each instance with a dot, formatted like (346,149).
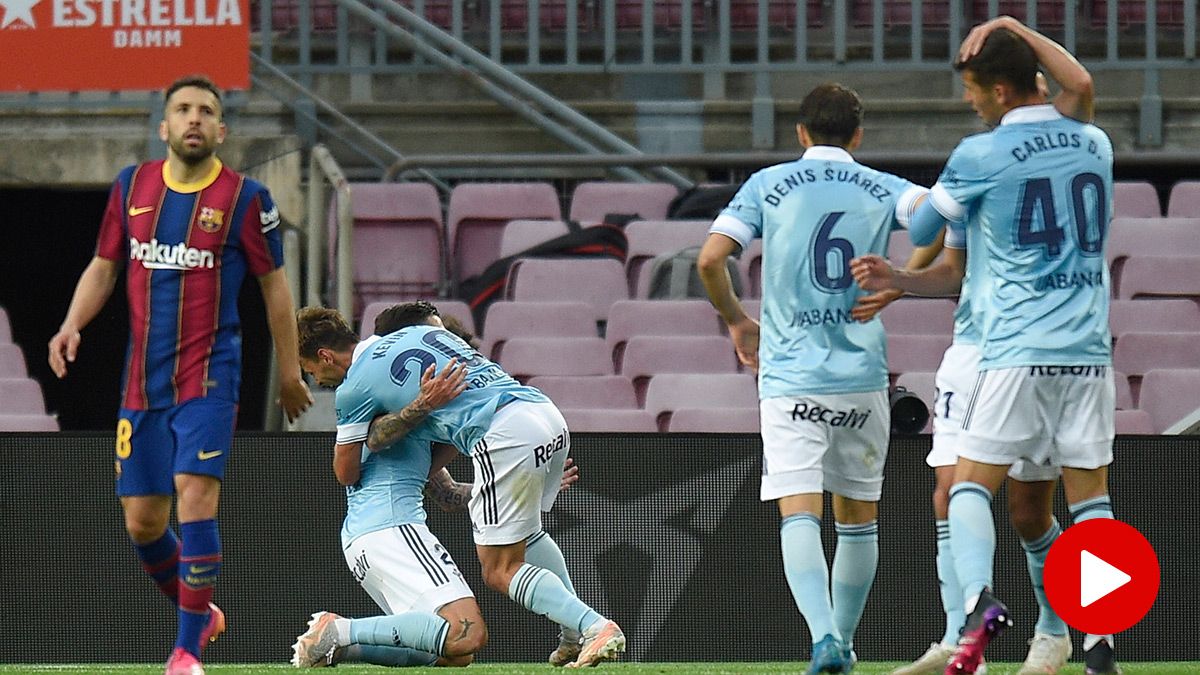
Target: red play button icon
(1101,576)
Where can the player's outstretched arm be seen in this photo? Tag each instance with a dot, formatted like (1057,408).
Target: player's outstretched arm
(294,395)
(436,391)
(1077,98)
(714,272)
(95,286)
(873,272)
(868,306)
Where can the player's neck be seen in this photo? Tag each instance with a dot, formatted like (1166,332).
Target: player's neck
(184,173)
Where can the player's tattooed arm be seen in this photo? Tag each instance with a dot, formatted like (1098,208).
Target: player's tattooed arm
(436,391)
(447,493)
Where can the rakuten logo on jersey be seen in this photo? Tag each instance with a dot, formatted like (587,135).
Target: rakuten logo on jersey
(156,256)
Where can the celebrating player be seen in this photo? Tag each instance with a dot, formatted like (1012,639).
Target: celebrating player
(822,376)
(191,229)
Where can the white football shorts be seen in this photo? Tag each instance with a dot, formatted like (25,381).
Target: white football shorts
(518,472)
(954,381)
(1045,415)
(826,442)
(406,569)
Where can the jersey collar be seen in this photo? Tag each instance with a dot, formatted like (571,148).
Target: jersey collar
(362,347)
(1026,114)
(194,186)
(828,153)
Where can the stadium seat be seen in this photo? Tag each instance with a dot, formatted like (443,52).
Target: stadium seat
(397,241)
(22,396)
(552,15)
(753,309)
(669,392)
(441,12)
(478,213)
(285,16)
(715,421)
(592,200)
(924,386)
(743,14)
(898,13)
(1133,422)
(1166,315)
(1184,201)
(521,235)
(525,357)
(597,281)
(900,247)
(915,352)
(650,355)
(1135,354)
(1051,14)
(1160,276)
(1134,237)
(12,361)
(28,422)
(668,14)
(5,327)
(1124,391)
(1135,199)
(455,308)
(1170,394)
(1133,12)
(590,392)
(650,238)
(611,420)
(507,320)
(627,318)
(919,316)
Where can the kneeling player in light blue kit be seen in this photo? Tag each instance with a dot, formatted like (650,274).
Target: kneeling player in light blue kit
(822,376)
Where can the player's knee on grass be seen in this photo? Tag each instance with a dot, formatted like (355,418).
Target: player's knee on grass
(456,662)
(468,632)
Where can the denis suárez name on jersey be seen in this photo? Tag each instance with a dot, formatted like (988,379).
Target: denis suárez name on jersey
(156,256)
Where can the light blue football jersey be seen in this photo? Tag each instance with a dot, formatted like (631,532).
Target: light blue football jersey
(386,376)
(814,215)
(389,489)
(1038,188)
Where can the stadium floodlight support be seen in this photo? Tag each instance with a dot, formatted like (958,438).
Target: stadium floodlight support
(504,86)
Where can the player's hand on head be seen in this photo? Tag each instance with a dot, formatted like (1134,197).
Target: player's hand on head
(294,397)
(745,342)
(62,349)
(868,306)
(872,272)
(439,389)
(974,41)
(570,474)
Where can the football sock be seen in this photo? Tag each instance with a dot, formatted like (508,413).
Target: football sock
(541,591)
(1090,641)
(807,572)
(854,565)
(1035,558)
(542,551)
(952,596)
(972,538)
(199,566)
(1089,509)
(160,559)
(378,655)
(420,631)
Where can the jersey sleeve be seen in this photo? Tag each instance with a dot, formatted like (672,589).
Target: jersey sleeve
(909,195)
(741,220)
(965,177)
(355,410)
(956,236)
(262,240)
(113,243)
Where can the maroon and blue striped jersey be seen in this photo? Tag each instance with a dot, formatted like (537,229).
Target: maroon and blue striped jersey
(189,247)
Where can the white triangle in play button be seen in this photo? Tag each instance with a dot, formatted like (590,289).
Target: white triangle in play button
(1097,578)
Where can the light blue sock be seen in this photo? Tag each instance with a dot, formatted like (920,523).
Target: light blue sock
(807,573)
(854,565)
(1035,558)
(1089,509)
(542,551)
(540,591)
(972,538)
(394,657)
(421,631)
(952,595)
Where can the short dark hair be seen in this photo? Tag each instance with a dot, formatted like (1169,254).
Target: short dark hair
(831,113)
(403,315)
(198,81)
(323,328)
(1004,58)
(455,326)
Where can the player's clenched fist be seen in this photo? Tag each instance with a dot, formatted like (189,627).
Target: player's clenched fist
(872,272)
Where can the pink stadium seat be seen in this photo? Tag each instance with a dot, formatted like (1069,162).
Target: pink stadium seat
(1134,237)
(12,361)
(900,247)
(934,14)
(743,14)
(1124,391)
(924,386)
(525,357)
(668,14)
(650,355)
(507,320)
(285,16)
(1184,201)
(1133,422)
(670,392)
(627,318)
(521,235)
(477,215)
(719,421)
(919,316)
(1137,353)
(1050,14)
(591,201)
(1170,394)
(750,264)
(440,12)
(22,396)
(1133,12)
(28,422)
(1166,315)
(5,327)
(1160,276)
(609,420)
(591,392)
(597,281)
(915,352)
(1135,199)
(650,238)
(455,308)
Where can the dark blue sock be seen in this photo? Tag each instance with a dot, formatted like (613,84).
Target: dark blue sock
(199,565)
(160,559)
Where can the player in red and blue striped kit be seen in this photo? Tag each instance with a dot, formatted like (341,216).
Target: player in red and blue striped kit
(189,230)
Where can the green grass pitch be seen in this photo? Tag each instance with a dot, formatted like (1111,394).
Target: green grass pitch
(1167,668)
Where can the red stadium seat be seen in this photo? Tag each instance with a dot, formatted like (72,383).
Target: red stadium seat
(668,14)
(552,15)
(898,13)
(1133,12)
(743,14)
(1051,14)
